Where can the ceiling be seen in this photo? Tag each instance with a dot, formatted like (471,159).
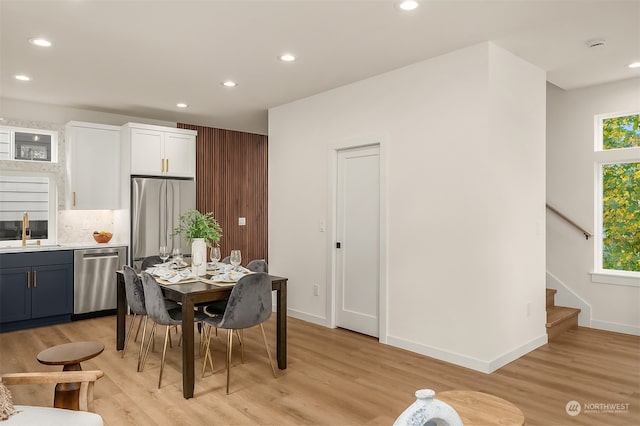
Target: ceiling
(140,58)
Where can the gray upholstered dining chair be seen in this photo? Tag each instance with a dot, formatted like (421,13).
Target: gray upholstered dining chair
(150,261)
(135,299)
(249,305)
(217,307)
(258,265)
(156,308)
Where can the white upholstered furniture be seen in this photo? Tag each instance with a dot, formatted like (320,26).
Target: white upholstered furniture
(33,415)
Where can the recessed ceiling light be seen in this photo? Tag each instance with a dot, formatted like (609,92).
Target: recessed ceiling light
(22,77)
(40,42)
(229,83)
(408,5)
(287,57)
(181,105)
(634,65)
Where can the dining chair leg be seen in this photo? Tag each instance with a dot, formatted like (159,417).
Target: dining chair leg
(169,333)
(135,339)
(128,335)
(240,334)
(203,336)
(207,351)
(167,338)
(204,331)
(144,331)
(146,352)
(264,338)
(229,348)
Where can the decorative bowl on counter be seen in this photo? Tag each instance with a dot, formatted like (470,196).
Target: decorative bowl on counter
(102,236)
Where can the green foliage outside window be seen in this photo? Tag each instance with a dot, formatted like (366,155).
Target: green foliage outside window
(621,132)
(621,197)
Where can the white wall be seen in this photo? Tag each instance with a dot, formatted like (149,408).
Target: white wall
(570,188)
(462,158)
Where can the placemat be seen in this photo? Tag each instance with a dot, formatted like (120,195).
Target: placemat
(218,283)
(165,282)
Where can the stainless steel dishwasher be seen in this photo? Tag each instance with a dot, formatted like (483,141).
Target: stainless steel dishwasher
(94,279)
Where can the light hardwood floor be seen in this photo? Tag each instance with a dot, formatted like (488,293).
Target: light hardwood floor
(335,377)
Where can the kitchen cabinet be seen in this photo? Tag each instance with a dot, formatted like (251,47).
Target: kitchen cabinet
(93,166)
(160,151)
(36,289)
(28,144)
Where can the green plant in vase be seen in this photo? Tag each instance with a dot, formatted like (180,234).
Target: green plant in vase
(199,229)
(194,224)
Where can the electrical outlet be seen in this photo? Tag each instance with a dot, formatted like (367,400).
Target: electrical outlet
(316,290)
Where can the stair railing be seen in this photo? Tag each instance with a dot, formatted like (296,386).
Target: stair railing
(586,233)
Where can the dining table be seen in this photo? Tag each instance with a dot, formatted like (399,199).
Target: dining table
(198,292)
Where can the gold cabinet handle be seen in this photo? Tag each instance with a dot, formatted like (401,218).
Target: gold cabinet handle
(74,198)
(28,279)
(167,165)
(35,279)
(163,165)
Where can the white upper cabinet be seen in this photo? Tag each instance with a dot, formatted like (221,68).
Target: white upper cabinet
(28,144)
(161,151)
(93,166)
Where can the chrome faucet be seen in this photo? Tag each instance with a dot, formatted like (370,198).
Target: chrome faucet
(25,226)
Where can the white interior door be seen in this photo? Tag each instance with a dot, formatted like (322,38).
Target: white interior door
(358,235)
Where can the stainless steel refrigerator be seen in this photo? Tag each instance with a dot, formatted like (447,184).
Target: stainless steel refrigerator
(156,206)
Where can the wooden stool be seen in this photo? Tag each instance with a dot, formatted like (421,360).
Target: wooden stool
(480,409)
(70,355)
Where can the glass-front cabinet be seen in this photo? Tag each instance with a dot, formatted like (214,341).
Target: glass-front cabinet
(28,144)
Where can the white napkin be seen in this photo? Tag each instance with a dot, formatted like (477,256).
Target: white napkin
(181,275)
(170,275)
(227,277)
(225,268)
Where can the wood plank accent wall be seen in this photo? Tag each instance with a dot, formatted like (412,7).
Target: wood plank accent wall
(231,182)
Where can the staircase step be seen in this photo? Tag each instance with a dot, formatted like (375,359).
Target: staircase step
(551,294)
(561,319)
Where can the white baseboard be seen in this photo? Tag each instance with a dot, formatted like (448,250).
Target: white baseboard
(307,317)
(618,328)
(466,361)
(516,353)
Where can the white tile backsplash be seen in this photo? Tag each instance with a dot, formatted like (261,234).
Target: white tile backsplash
(77,226)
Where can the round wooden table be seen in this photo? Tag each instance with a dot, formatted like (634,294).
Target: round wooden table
(481,409)
(69,355)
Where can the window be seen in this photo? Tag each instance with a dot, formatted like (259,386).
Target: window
(618,159)
(31,193)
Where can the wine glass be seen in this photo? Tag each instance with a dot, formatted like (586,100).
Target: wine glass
(176,255)
(196,261)
(164,253)
(236,258)
(215,256)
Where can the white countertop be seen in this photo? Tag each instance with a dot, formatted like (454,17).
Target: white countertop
(32,247)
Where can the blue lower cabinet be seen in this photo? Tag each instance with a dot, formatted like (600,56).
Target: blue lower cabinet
(15,294)
(36,289)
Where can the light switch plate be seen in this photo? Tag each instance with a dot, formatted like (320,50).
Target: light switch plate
(242,221)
